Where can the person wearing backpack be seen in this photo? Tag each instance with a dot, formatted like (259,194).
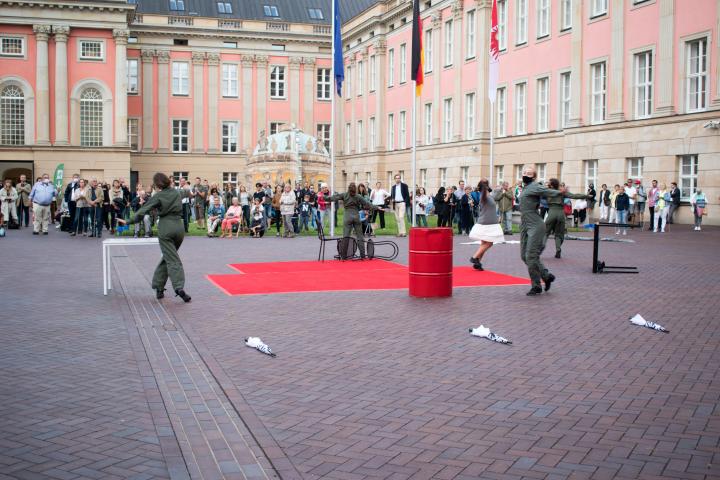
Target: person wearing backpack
(698,202)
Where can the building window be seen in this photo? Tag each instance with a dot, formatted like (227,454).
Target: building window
(91,118)
(500,105)
(599,7)
(518,171)
(315,14)
(423,177)
(323,135)
(541,169)
(12,46)
(277,82)
(543,18)
(599,87)
(372,133)
(688,176)
(271,11)
(521,22)
(91,50)
(180,78)
(360,137)
(230,179)
(391,67)
(177,5)
(469,116)
(402,175)
(465,174)
(133,131)
(499,174)
(470,35)
(323,84)
(502,24)
(224,7)
(348,79)
(368,179)
(360,78)
(428,48)
(565,15)
(12,116)
(132,76)
(635,168)
(229,44)
(520,107)
(543,104)
(229,137)
(449,43)
(428,123)
(229,80)
(391,132)
(697,82)
(176,176)
(274,127)
(180,136)
(591,171)
(403,130)
(347,138)
(442,173)
(643,85)
(403,63)
(565,99)
(447,119)
(373,73)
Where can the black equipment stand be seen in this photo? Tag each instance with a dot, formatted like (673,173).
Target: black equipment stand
(600,267)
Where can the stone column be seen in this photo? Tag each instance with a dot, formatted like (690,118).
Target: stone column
(61,84)
(576,62)
(148,119)
(380,49)
(483,11)
(163,59)
(309,94)
(247,102)
(459,102)
(665,59)
(198,127)
(261,62)
(437,73)
(715,103)
(120,118)
(617,62)
(213,86)
(294,89)
(42,85)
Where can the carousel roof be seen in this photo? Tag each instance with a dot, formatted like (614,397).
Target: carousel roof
(290,140)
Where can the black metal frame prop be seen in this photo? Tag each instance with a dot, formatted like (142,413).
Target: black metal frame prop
(600,267)
(347,247)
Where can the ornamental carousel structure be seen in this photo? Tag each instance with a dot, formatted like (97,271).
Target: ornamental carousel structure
(288,156)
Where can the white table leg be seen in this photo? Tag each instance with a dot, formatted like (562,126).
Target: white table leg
(109,270)
(104,260)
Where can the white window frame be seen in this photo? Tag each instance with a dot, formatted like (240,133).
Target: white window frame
(541,169)
(323,88)
(89,126)
(372,134)
(136,134)
(499,174)
(591,172)
(442,175)
(229,143)
(471,26)
(176,176)
(324,132)
(278,82)
(447,120)
(348,82)
(598,92)
(360,78)
(403,63)
(180,79)
(698,78)
(521,22)
(520,108)
(423,178)
(543,19)
(230,178)
(403,130)
(13,115)
(542,94)
(391,67)
(229,80)
(133,76)
(391,132)
(470,116)
(428,49)
(428,130)
(360,137)
(598,8)
(565,98)
(566,14)
(183,139)
(635,167)
(449,42)
(465,174)
(373,73)
(348,133)
(692,162)
(274,127)
(4,53)
(502,6)
(501,109)
(85,58)
(643,66)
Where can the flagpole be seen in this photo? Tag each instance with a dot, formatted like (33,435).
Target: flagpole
(414,154)
(492,142)
(332,127)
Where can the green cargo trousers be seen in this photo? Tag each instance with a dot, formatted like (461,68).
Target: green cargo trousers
(171,233)
(351,221)
(555,224)
(532,244)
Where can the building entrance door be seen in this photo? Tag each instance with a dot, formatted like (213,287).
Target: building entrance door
(13,170)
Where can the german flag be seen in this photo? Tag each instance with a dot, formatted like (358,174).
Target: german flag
(417,49)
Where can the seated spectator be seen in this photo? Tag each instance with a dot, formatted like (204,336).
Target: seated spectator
(580,212)
(257,213)
(216,213)
(232,217)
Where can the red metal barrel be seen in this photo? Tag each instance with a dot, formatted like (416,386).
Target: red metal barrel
(431,256)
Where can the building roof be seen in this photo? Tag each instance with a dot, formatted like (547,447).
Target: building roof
(293,11)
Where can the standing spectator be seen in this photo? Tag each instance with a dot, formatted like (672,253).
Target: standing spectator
(517,192)
(613,208)
(662,205)
(216,213)
(504,200)
(141,197)
(267,204)
(400,195)
(79,197)
(305,212)
(70,202)
(640,201)
(228,195)
(378,197)
(622,206)
(233,216)
(315,213)
(127,198)
(459,192)
(288,201)
(631,192)
(674,202)
(421,201)
(42,195)
(260,195)
(185,194)
(580,212)
(117,202)
(652,198)
(200,192)
(245,200)
(95,203)
(698,202)
(8,197)
(104,205)
(604,203)
(592,194)
(467,205)
(452,203)
(277,215)
(441,207)
(23,202)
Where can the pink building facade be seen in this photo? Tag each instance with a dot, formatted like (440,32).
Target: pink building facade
(590,91)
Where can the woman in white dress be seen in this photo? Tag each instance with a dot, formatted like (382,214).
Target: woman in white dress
(487,229)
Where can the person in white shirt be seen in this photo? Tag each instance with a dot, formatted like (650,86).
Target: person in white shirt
(378,198)
(631,192)
(421,201)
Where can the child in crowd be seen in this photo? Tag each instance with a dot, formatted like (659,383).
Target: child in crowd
(305,212)
(257,227)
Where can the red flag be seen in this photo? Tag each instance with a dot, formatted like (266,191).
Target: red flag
(417,49)
(494,54)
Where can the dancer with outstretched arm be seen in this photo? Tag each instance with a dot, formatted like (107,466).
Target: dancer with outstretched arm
(171,232)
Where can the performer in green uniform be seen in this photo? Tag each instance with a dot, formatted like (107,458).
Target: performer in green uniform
(171,232)
(532,230)
(555,221)
(352,204)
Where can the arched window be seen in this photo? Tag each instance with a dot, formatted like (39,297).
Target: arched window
(91,118)
(12,116)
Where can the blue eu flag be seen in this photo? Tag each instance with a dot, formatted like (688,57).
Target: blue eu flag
(338,64)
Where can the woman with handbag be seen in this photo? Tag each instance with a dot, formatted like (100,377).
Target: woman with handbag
(698,202)
(488,231)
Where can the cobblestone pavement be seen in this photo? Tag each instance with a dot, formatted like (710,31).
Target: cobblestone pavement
(374,384)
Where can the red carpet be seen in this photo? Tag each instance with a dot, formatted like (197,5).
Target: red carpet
(334,275)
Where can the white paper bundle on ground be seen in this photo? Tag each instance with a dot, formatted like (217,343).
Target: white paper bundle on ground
(485,332)
(257,344)
(639,320)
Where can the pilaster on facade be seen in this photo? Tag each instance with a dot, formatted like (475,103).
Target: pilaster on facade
(213,61)
(247,61)
(198,62)
(437,72)
(261,62)
(121,41)
(294,64)
(308,93)
(380,49)
(365,58)
(576,64)
(617,62)
(715,102)
(457,14)
(61,33)
(42,84)
(147,57)
(483,12)
(665,59)
(163,59)
(354,147)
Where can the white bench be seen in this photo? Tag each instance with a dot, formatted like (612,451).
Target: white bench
(119,242)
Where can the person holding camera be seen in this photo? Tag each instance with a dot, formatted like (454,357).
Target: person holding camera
(23,202)
(8,197)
